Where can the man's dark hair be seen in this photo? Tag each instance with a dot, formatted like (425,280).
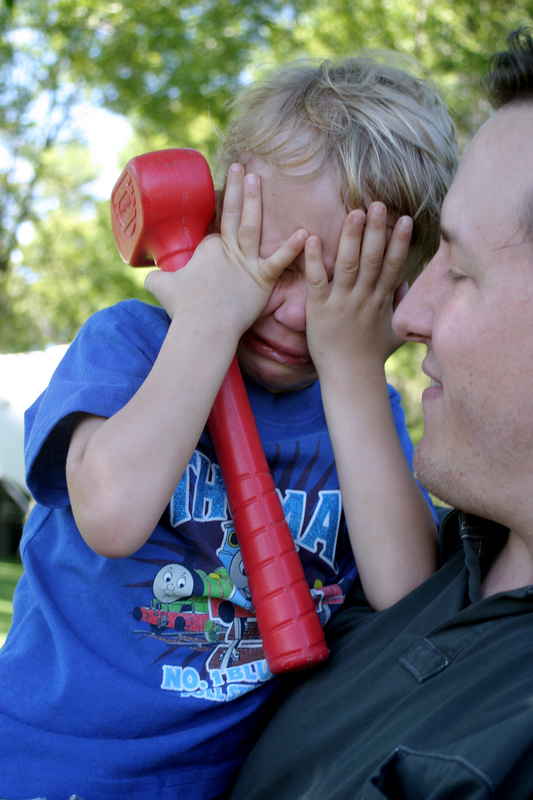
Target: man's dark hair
(510,80)
(510,77)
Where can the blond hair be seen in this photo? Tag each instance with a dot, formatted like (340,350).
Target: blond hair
(386,134)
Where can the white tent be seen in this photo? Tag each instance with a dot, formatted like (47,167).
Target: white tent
(23,376)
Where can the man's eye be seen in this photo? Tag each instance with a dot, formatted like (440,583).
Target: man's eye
(456,277)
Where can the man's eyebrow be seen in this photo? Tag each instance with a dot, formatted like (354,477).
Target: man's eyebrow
(447,236)
(461,245)
(453,239)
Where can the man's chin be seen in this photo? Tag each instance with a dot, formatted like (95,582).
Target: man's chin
(446,482)
(435,476)
(457,484)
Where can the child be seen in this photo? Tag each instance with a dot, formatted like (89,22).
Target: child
(134,666)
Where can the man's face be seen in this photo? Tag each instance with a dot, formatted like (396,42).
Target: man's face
(274,351)
(473,307)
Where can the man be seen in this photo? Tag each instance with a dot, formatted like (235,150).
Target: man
(433,698)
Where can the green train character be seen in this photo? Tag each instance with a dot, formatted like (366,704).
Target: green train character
(190,601)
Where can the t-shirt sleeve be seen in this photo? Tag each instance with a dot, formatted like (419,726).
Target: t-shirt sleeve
(102,369)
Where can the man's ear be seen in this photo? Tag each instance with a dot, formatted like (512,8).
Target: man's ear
(399,294)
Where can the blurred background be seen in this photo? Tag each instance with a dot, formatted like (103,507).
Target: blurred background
(85,85)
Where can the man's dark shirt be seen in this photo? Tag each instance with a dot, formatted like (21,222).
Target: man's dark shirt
(430,699)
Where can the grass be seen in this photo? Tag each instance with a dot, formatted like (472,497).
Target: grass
(10,572)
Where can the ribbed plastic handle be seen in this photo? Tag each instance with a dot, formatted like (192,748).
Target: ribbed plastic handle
(293,638)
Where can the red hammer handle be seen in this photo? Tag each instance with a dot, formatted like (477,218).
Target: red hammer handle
(161,207)
(289,625)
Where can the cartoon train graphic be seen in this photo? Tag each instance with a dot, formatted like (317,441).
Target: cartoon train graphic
(200,615)
(190,601)
(193,602)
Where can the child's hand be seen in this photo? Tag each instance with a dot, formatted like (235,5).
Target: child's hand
(349,318)
(226,275)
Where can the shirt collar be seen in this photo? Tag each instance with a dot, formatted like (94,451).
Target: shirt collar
(481,540)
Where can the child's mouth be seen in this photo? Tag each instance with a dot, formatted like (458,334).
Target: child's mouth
(274,352)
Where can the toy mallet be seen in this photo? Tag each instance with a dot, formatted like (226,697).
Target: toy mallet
(161,207)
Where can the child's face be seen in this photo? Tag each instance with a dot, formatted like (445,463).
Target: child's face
(274,351)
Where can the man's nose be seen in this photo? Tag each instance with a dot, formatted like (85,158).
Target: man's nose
(413,318)
(291,311)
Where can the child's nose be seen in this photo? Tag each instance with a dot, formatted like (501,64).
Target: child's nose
(291,312)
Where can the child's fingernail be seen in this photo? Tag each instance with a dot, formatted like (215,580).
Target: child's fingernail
(312,242)
(252,180)
(357,217)
(236,168)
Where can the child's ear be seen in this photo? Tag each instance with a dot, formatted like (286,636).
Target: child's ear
(399,294)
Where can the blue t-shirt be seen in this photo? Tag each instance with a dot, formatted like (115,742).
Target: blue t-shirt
(145,676)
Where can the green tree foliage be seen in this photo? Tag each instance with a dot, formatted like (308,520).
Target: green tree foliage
(87,275)
(35,110)
(168,65)
(404,372)
(165,65)
(452,41)
(171,68)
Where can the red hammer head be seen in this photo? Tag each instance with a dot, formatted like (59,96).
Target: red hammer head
(161,207)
